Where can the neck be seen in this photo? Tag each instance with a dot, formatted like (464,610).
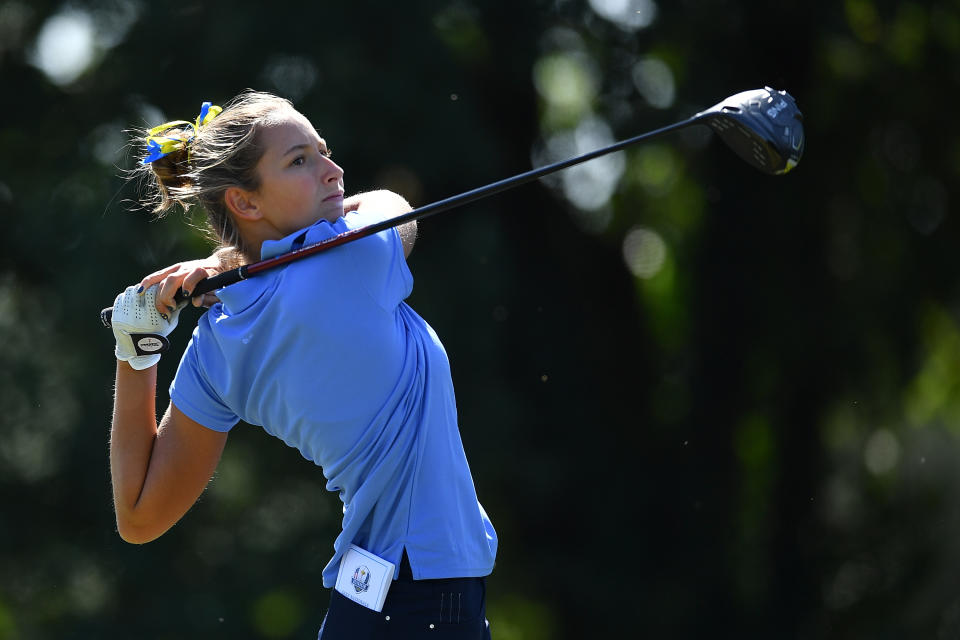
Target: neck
(254,233)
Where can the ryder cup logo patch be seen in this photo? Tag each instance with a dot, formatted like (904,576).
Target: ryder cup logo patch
(364,577)
(361,579)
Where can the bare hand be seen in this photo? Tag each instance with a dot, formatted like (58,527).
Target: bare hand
(182,276)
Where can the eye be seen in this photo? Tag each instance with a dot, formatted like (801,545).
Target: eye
(298,161)
(326,151)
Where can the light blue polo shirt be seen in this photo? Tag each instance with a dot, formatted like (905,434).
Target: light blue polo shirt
(324,354)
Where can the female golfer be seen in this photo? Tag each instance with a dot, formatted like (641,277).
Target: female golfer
(322,353)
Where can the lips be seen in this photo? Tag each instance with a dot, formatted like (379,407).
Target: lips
(334,196)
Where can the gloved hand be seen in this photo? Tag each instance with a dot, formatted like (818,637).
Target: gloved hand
(140,330)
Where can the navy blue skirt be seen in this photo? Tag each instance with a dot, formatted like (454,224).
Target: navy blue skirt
(450,608)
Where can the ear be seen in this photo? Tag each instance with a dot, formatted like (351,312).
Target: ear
(242,203)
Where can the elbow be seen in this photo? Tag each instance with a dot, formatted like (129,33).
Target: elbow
(132,538)
(408,237)
(137,533)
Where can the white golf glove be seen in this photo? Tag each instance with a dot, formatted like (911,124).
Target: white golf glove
(140,331)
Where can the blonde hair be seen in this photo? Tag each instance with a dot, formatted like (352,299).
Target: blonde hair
(223,153)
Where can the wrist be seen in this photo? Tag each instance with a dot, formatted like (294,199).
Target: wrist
(138,363)
(135,362)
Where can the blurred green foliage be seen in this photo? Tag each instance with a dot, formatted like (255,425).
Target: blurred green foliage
(747,386)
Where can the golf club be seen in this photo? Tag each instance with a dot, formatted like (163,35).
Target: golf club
(763,126)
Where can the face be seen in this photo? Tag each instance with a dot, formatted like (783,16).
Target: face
(299,183)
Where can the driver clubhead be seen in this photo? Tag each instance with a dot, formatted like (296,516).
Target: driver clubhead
(763,126)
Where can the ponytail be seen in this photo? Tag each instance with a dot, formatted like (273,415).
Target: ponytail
(190,164)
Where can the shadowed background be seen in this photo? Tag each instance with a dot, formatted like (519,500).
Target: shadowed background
(696,399)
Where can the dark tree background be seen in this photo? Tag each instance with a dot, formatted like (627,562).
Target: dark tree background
(697,400)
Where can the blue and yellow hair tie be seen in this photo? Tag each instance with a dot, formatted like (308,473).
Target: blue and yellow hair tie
(159,146)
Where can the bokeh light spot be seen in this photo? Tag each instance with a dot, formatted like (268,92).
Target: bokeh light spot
(291,76)
(655,168)
(644,251)
(629,15)
(846,57)
(863,19)
(590,185)
(654,80)
(881,452)
(908,34)
(107,143)
(518,618)
(277,614)
(458,26)
(71,42)
(567,82)
(933,396)
(64,48)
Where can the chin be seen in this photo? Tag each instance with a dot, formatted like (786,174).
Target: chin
(332,214)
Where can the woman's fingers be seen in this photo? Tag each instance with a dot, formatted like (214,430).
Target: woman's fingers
(156,277)
(168,289)
(183,276)
(206,300)
(194,277)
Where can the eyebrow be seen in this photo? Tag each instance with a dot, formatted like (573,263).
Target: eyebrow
(304,145)
(296,147)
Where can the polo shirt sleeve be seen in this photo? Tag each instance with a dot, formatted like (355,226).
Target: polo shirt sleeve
(380,265)
(193,394)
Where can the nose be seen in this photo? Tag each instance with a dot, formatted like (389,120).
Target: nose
(330,170)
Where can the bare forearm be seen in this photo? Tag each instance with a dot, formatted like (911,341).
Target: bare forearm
(132,436)
(390,205)
(158,470)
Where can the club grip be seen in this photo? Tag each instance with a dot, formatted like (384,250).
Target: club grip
(204,286)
